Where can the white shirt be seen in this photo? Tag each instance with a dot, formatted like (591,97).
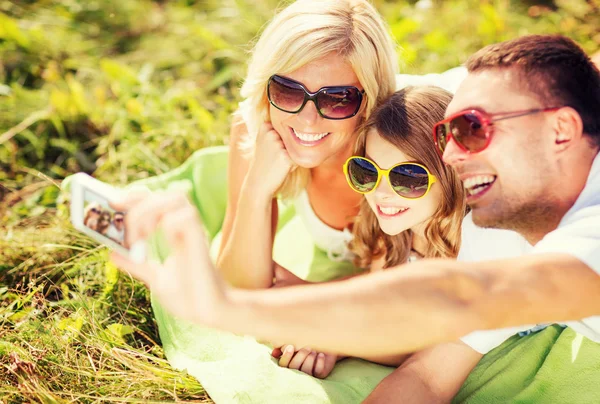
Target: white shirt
(115,234)
(448,80)
(577,234)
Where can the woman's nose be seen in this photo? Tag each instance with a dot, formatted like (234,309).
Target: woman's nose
(309,114)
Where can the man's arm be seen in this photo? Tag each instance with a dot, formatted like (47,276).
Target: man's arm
(422,304)
(403,310)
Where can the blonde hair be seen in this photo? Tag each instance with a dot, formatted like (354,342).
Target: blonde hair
(308,30)
(87,212)
(406,120)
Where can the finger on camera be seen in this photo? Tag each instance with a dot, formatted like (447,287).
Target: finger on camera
(143,218)
(185,236)
(128,200)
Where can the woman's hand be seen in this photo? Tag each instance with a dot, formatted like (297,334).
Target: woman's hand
(186,283)
(270,163)
(317,364)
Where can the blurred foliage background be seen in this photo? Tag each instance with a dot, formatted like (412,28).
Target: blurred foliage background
(126,89)
(129,88)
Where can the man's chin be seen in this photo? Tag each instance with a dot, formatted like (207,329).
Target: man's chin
(481,218)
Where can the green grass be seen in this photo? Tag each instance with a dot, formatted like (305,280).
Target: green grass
(128,89)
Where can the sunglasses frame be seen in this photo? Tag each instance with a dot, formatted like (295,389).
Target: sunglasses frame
(431,179)
(308,96)
(487,121)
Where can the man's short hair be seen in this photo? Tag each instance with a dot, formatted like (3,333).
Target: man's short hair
(553,68)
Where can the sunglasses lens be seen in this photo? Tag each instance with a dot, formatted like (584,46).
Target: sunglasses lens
(409,180)
(362,175)
(441,137)
(339,102)
(468,130)
(285,94)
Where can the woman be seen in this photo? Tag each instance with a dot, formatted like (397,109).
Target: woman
(91,215)
(316,73)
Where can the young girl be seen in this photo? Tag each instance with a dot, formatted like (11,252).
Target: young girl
(413,205)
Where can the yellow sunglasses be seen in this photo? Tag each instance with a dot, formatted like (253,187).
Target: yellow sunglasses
(408,180)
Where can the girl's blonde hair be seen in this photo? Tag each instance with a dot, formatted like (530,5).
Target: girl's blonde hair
(308,30)
(406,120)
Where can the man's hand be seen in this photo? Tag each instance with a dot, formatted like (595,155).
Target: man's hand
(186,283)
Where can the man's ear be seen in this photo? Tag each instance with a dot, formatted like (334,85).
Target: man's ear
(567,128)
(596,59)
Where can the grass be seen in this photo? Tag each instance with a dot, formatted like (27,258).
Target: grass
(127,89)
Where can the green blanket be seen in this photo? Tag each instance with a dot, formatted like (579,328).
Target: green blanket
(554,365)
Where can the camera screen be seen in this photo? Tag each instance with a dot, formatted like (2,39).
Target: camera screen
(104,220)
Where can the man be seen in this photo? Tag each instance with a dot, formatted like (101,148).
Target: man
(529,160)
(116,230)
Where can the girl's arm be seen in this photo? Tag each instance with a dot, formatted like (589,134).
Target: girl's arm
(434,375)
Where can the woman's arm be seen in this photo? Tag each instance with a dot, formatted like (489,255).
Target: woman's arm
(245,256)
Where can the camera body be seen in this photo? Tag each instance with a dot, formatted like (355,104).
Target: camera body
(92,214)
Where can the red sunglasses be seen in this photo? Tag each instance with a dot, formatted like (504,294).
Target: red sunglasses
(472,129)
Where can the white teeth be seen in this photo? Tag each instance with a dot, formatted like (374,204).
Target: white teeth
(310,137)
(391,210)
(478,183)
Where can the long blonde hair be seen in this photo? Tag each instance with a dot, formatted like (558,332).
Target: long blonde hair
(308,30)
(406,120)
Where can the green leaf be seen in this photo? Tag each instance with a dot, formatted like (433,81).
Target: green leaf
(111,272)
(120,330)
(119,72)
(9,30)
(204,118)
(403,28)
